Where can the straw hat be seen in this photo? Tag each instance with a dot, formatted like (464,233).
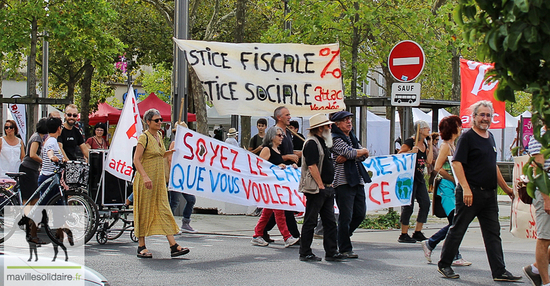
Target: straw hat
(232,132)
(318,120)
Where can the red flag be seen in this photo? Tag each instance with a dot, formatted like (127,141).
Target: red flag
(475,88)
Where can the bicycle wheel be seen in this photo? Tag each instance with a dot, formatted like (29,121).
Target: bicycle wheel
(7,215)
(85,221)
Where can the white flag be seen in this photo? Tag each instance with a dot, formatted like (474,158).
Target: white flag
(128,129)
(20,117)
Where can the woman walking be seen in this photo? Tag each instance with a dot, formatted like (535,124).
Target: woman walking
(32,161)
(272,139)
(450,128)
(152,214)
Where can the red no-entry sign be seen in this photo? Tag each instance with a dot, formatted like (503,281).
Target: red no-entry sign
(406,61)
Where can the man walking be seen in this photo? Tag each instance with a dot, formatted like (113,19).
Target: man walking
(71,139)
(475,166)
(318,165)
(349,177)
(538,271)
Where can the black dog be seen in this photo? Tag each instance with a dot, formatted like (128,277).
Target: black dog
(32,230)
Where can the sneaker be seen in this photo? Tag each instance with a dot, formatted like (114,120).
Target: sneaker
(310,258)
(507,277)
(448,272)
(419,236)
(349,255)
(405,238)
(461,262)
(335,258)
(534,278)
(427,251)
(290,241)
(259,241)
(185,227)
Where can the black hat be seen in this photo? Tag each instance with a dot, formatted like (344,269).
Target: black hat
(340,115)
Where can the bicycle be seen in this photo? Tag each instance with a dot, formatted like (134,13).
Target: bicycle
(10,195)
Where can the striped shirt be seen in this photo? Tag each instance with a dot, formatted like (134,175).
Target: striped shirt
(340,147)
(534,148)
(47,165)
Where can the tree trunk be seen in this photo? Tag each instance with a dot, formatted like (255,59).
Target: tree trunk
(455,91)
(86,94)
(354,53)
(32,111)
(239,38)
(197,92)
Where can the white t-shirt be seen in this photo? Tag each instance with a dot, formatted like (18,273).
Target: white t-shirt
(47,165)
(232,141)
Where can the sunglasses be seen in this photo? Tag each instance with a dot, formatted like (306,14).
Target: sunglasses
(75,115)
(281,135)
(157,120)
(8,127)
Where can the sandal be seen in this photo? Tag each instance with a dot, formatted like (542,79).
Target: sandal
(174,251)
(142,254)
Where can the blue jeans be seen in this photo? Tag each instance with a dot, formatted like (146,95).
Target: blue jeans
(353,208)
(51,194)
(190,203)
(441,234)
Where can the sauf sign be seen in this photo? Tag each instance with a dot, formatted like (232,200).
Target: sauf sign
(476,87)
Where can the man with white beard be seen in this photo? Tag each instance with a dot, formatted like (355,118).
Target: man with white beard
(349,177)
(317,164)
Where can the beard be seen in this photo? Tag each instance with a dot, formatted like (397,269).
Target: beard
(479,124)
(328,137)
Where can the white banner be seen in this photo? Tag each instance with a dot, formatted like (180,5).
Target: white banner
(213,169)
(20,117)
(392,180)
(128,129)
(522,220)
(254,79)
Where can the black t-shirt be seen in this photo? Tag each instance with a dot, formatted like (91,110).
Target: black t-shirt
(421,158)
(256,142)
(287,147)
(478,156)
(274,157)
(71,140)
(297,142)
(311,154)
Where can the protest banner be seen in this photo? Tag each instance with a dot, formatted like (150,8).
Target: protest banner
(209,168)
(253,79)
(20,117)
(392,180)
(522,219)
(129,127)
(474,88)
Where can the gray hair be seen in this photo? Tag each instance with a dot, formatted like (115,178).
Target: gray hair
(485,103)
(148,116)
(420,124)
(278,112)
(270,134)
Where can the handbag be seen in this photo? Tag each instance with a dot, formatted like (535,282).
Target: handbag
(521,186)
(307,183)
(437,208)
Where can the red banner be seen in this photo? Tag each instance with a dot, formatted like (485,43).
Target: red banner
(475,88)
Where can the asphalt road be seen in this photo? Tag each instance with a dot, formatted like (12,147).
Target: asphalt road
(230,259)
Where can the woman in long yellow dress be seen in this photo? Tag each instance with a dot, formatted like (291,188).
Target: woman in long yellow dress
(152,214)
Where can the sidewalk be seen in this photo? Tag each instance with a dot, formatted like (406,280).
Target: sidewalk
(242,225)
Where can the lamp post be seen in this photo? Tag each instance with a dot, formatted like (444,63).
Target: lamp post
(181,31)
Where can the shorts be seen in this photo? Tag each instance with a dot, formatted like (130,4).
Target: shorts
(542,218)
